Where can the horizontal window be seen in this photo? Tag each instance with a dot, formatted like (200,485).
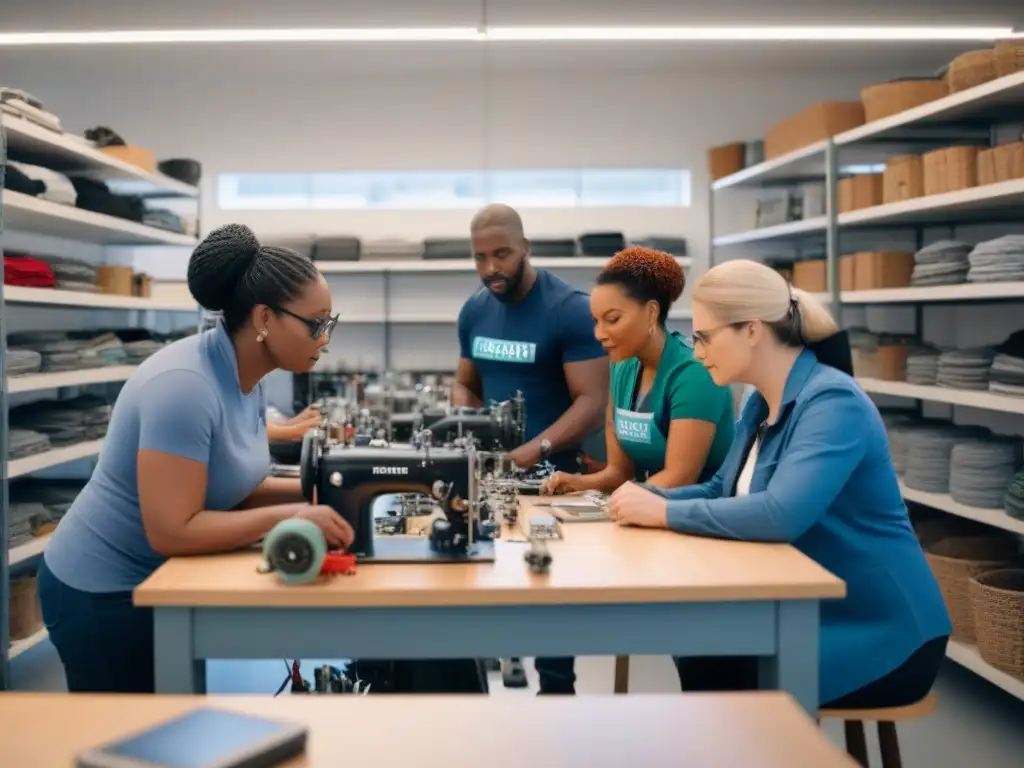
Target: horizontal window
(416,190)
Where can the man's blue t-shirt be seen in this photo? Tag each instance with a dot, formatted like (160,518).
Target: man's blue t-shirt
(185,400)
(523,346)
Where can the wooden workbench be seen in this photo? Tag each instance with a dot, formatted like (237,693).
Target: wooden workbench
(610,591)
(765,730)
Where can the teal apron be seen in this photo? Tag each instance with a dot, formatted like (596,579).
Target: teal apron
(641,439)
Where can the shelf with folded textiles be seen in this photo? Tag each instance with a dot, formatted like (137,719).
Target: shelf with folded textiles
(14,294)
(23,553)
(53,458)
(26,213)
(998,518)
(950,294)
(463,265)
(33,382)
(934,394)
(66,153)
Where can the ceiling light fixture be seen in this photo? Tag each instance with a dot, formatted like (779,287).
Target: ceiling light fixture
(509,34)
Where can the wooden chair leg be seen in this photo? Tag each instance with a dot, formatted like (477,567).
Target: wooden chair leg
(622,674)
(889,744)
(856,743)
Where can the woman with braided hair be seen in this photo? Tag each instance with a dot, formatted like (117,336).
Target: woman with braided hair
(184,467)
(667,422)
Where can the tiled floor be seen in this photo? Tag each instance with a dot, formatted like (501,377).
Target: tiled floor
(976,723)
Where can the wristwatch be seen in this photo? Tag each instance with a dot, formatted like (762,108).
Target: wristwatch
(545,448)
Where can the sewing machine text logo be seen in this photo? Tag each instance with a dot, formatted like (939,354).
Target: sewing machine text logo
(503,351)
(391,470)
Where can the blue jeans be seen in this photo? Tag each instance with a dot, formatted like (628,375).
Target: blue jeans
(104,642)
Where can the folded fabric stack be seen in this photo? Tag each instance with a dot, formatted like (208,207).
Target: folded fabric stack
(929,453)
(602,243)
(668,244)
(965,368)
(65,422)
(27,271)
(28,520)
(26,442)
(447,248)
(897,425)
(72,274)
(138,344)
(1006,376)
(23,104)
(50,185)
(999,260)
(58,351)
(1013,501)
(553,247)
(37,506)
(337,248)
(941,263)
(392,249)
(163,219)
(20,362)
(981,470)
(923,365)
(101,350)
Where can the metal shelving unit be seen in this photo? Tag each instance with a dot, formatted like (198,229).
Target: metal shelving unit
(965,116)
(23,213)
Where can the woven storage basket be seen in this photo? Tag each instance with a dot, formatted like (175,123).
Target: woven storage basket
(998,601)
(886,99)
(970,69)
(955,560)
(1009,57)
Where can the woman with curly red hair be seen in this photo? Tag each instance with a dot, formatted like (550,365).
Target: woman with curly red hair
(668,423)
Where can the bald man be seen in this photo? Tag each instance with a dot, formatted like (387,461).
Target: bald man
(528,330)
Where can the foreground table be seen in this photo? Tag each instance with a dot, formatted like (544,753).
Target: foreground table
(611,591)
(766,730)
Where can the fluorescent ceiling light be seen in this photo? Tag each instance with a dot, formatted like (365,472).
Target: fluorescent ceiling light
(135,37)
(739,34)
(507,34)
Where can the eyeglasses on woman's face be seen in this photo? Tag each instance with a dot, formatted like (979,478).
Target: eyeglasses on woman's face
(705,337)
(318,326)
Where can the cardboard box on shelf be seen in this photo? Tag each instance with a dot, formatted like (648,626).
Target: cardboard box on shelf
(814,123)
(863,191)
(1008,161)
(874,270)
(986,167)
(950,169)
(903,178)
(891,362)
(848,272)
(726,160)
(810,275)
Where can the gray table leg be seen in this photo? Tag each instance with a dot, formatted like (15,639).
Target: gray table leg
(176,669)
(795,666)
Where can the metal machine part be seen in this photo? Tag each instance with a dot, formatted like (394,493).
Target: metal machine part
(545,527)
(538,556)
(351,477)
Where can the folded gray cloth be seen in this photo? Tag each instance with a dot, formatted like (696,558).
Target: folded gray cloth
(26,442)
(981,470)
(929,453)
(22,361)
(923,365)
(965,368)
(999,260)
(941,263)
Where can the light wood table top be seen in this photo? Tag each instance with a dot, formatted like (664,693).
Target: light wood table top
(596,562)
(730,730)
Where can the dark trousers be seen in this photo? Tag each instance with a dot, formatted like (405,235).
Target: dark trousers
(908,683)
(104,642)
(557,675)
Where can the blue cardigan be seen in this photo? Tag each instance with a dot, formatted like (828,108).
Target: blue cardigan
(824,482)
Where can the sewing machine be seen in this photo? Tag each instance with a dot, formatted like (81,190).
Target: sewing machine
(350,478)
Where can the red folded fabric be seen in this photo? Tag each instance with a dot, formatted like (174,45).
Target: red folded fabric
(28,272)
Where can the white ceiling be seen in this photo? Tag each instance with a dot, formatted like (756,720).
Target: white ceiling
(309,60)
(128,14)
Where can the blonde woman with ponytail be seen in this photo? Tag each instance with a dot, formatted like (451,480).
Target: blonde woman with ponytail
(809,466)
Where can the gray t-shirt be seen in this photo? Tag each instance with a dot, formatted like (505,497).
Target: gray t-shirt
(185,400)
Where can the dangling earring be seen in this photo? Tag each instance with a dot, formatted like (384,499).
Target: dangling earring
(262,335)
(650,330)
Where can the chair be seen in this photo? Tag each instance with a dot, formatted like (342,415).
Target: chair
(886,717)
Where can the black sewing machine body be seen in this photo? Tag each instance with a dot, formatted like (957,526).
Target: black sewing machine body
(350,478)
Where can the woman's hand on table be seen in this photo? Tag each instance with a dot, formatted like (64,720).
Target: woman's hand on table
(559,483)
(335,528)
(632,505)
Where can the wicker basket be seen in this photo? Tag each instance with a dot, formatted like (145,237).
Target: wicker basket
(998,600)
(955,560)
(971,69)
(1009,57)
